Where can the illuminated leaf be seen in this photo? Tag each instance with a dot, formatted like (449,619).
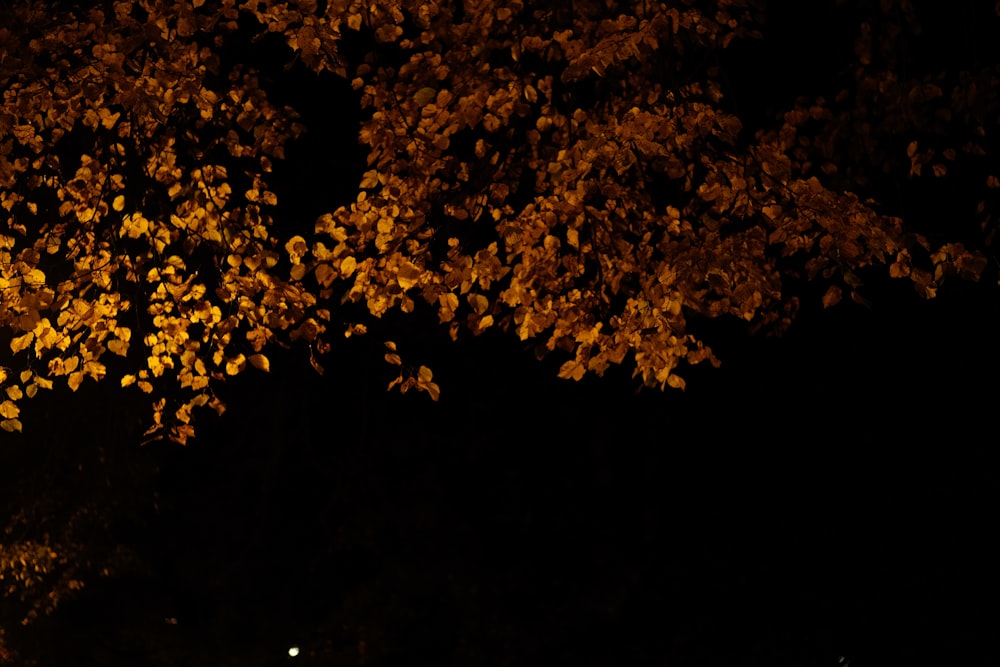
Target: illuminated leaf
(408,275)
(21,342)
(572,369)
(9,409)
(75,379)
(235,365)
(260,362)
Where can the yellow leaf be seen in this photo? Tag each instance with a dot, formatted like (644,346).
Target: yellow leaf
(108,119)
(347,266)
(14,392)
(35,278)
(70,364)
(21,342)
(9,409)
(408,275)
(135,226)
(325,275)
(236,364)
(75,379)
(119,347)
(260,362)
(296,247)
(572,370)
(128,380)
(479,303)
(393,359)
(155,365)
(11,425)
(432,389)
(119,203)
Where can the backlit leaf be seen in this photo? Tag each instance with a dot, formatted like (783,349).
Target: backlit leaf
(260,362)
(9,409)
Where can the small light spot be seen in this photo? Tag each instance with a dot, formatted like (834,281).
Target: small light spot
(293,651)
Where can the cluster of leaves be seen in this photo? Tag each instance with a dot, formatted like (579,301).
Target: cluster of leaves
(133,179)
(50,548)
(568,172)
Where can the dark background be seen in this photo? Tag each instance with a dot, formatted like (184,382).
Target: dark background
(830,494)
(827,497)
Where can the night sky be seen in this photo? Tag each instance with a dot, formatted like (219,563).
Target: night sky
(822,496)
(825,498)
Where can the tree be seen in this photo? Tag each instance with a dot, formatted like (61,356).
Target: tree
(572,173)
(595,178)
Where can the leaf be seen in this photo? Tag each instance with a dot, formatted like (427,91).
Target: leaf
(118,346)
(21,342)
(408,275)
(11,425)
(424,383)
(832,296)
(75,379)
(9,409)
(572,370)
(260,362)
(432,389)
(235,365)
(424,96)
(479,303)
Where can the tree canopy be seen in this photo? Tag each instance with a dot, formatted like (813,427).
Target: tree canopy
(577,174)
(595,179)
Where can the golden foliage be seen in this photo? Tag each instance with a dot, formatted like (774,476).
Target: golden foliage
(567,173)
